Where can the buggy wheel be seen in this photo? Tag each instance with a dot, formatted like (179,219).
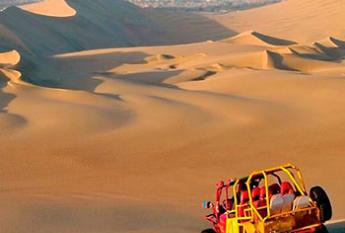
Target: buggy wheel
(210,230)
(322,229)
(319,195)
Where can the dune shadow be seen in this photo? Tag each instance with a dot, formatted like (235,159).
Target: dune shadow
(318,57)
(5,98)
(103,24)
(273,40)
(336,227)
(337,42)
(75,72)
(87,72)
(337,53)
(276,60)
(155,78)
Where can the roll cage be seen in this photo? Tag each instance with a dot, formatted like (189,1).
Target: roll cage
(232,206)
(252,180)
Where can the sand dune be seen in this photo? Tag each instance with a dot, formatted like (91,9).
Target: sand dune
(8,62)
(97,137)
(132,97)
(256,38)
(297,63)
(249,53)
(301,21)
(8,76)
(91,24)
(55,8)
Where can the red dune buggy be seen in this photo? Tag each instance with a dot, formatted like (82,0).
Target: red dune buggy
(269,201)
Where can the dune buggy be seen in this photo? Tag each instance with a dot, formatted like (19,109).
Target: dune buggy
(269,201)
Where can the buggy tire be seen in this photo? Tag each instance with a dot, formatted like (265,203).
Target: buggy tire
(319,195)
(322,229)
(210,230)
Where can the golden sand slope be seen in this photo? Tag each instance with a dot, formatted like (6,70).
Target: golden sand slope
(153,128)
(133,139)
(297,20)
(55,8)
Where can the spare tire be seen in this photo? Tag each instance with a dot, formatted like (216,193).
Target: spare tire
(319,195)
(322,229)
(210,230)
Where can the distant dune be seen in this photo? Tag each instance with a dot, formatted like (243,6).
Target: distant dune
(256,38)
(78,25)
(103,132)
(55,8)
(296,20)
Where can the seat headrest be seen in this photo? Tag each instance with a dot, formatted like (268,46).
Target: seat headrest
(263,192)
(242,186)
(276,203)
(301,202)
(273,189)
(256,193)
(244,196)
(286,188)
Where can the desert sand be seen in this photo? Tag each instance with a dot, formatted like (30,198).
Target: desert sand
(100,137)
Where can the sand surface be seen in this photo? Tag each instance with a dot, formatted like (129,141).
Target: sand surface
(133,139)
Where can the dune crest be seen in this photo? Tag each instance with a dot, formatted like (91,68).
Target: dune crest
(297,20)
(8,62)
(248,50)
(12,76)
(10,58)
(54,8)
(256,38)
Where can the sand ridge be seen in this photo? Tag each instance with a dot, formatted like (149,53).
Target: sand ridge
(256,38)
(10,58)
(8,62)
(52,8)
